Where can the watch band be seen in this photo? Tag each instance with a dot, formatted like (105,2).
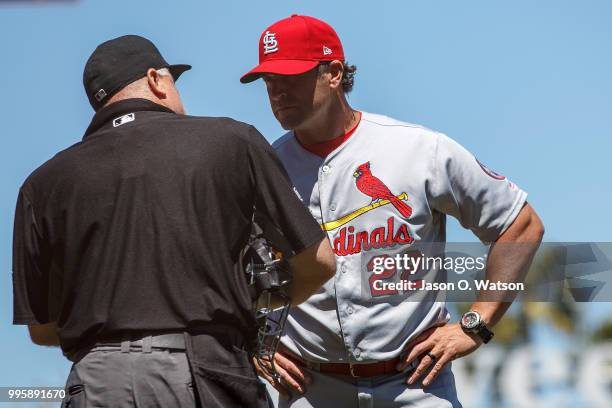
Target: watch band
(484,333)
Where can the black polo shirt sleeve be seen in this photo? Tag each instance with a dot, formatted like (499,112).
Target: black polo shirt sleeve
(276,201)
(30,269)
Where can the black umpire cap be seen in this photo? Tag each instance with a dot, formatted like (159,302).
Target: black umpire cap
(119,62)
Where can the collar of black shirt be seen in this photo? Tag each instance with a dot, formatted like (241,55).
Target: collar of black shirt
(120,108)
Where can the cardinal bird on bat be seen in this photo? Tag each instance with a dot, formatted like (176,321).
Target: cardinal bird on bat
(370,185)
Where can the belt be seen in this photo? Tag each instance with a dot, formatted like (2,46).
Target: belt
(354,370)
(129,341)
(146,342)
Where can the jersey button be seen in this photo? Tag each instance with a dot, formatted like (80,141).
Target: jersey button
(325,168)
(357,353)
(343,268)
(350,310)
(332,207)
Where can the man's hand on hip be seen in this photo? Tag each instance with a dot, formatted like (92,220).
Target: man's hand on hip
(438,346)
(293,377)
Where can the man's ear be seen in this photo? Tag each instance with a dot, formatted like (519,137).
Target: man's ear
(336,70)
(156,84)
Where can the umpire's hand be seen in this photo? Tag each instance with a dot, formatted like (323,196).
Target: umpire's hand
(293,377)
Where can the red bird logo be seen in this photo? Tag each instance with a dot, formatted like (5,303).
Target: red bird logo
(371,186)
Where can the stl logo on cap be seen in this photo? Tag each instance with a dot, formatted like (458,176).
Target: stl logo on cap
(269,42)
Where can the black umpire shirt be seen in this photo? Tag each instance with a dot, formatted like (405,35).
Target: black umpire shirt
(140,225)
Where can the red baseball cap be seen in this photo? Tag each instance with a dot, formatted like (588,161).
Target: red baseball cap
(295,45)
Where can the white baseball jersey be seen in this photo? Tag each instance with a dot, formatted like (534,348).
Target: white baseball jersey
(386,188)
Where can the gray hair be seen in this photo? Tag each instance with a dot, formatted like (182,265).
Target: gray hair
(164,72)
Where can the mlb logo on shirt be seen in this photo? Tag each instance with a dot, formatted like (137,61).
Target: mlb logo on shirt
(123,119)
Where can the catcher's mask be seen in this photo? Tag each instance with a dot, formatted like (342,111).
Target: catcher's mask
(268,275)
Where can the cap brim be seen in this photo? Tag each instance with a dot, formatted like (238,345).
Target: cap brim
(279,67)
(177,70)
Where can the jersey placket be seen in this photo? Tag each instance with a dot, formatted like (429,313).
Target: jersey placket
(345,310)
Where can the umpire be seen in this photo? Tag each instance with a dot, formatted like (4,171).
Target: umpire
(127,245)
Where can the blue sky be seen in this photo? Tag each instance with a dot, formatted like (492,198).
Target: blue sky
(524,85)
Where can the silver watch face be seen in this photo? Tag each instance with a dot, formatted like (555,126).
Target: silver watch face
(470,320)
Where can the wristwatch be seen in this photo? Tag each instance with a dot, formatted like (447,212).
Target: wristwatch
(471,322)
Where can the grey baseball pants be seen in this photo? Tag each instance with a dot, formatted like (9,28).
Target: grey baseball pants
(155,372)
(107,377)
(377,392)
